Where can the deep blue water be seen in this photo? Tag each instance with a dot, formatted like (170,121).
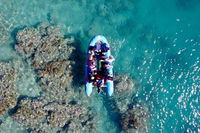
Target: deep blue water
(156,42)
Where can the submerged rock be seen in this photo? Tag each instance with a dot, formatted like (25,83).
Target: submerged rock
(8,94)
(123,84)
(135,119)
(124,90)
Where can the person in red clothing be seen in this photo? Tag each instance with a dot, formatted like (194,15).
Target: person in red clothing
(98,82)
(91,64)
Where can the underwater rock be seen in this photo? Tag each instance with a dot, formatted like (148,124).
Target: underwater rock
(8,94)
(123,84)
(30,112)
(48,52)
(124,89)
(135,119)
(71,117)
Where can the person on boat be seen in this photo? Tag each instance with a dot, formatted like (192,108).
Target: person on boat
(99,81)
(102,56)
(109,78)
(106,66)
(92,69)
(92,74)
(91,48)
(91,59)
(104,47)
(110,59)
(91,64)
(105,71)
(91,53)
(98,46)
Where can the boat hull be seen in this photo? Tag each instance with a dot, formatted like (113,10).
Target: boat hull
(109,83)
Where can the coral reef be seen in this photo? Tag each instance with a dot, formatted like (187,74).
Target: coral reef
(42,45)
(8,94)
(35,113)
(55,79)
(26,83)
(30,112)
(71,117)
(48,52)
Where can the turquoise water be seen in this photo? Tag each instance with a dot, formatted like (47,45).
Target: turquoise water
(156,42)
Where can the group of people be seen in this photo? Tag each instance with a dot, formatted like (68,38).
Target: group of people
(99,65)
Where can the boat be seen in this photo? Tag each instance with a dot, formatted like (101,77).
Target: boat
(99,68)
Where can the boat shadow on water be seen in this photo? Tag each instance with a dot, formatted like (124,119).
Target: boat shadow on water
(78,68)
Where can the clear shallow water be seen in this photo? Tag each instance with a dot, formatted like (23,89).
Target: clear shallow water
(155,42)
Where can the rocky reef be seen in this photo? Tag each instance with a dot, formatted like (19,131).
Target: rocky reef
(8,94)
